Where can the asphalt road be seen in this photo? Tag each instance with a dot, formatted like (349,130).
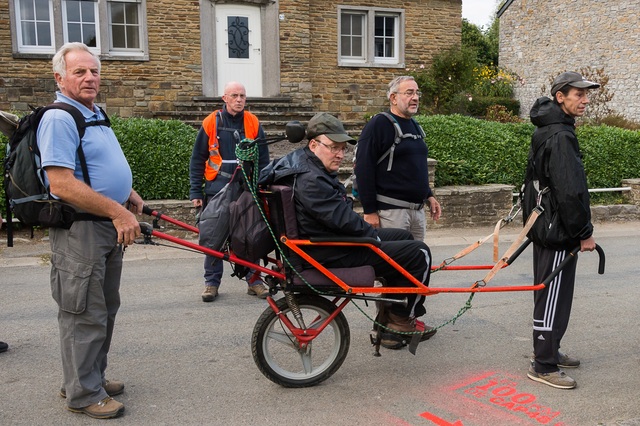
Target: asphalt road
(188,362)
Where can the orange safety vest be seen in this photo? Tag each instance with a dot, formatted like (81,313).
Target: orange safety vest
(251,126)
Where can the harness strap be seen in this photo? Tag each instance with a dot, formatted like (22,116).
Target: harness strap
(398,139)
(399,203)
(512,249)
(496,240)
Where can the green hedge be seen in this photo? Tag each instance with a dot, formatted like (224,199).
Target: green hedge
(477,106)
(473,152)
(158,152)
(469,152)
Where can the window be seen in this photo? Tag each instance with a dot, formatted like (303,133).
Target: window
(80,22)
(124,23)
(370,37)
(352,36)
(34,20)
(112,29)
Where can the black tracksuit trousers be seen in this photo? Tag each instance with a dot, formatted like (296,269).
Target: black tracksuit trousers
(552,306)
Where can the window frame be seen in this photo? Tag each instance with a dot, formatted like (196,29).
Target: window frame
(65,25)
(29,49)
(369,59)
(60,32)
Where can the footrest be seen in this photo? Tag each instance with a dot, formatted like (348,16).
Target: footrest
(361,276)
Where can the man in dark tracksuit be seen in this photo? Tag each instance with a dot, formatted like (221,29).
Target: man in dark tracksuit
(555,162)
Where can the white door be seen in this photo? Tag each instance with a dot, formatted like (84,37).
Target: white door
(239,47)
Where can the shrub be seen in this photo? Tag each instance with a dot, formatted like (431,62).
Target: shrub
(493,82)
(476,106)
(501,114)
(475,152)
(158,152)
(619,120)
(469,151)
(456,84)
(451,74)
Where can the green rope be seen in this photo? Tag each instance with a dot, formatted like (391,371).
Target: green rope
(251,154)
(452,321)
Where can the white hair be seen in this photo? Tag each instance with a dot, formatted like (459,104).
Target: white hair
(59,63)
(393,85)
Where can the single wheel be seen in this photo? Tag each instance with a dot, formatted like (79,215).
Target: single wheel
(280,357)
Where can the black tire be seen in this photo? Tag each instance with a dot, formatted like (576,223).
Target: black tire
(276,353)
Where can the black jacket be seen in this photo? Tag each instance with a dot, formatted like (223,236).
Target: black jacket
(556,161)
(322,206)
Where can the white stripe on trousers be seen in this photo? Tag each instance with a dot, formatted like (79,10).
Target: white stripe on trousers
(424,278)
(552,296)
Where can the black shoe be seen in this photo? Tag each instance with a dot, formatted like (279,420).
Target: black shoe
(3,347)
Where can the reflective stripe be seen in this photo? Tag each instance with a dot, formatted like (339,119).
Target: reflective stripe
(212,166)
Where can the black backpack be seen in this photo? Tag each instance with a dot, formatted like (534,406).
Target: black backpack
(27,196)
(250,237)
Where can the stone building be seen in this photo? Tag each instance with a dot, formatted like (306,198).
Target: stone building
(539,39)
(171,58)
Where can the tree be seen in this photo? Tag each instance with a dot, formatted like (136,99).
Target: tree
(484,44)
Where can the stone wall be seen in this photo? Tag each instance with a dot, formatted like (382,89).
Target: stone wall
(129,88)
(462,207)
(540,39)
(469,206)
(431,26)
(309,73)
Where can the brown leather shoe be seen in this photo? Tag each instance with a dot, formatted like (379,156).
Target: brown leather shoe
(210,293)
(113,388)
(258,290)
(391,340)
(429,331)
(108,408)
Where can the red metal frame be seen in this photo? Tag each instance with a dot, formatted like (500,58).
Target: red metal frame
(305,336)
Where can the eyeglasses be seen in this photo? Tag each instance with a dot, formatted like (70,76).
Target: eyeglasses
(410,93)
(236,95)
(334,149)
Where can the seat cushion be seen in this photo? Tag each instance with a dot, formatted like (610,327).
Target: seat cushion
(361,276)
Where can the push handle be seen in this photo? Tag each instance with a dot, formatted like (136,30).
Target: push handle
(567,259)
(601,262)
(145,228)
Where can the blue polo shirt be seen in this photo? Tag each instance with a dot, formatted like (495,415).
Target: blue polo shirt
(58,142)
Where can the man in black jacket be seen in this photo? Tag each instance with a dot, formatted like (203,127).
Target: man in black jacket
(323,209)
(559,185)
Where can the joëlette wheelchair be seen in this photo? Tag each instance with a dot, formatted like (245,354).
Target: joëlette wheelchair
(303,338)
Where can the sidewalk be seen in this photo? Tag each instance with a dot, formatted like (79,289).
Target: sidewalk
(27,251)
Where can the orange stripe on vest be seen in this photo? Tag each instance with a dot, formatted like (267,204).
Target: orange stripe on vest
(251,126)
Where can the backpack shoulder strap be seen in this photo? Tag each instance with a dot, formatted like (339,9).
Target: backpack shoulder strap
(398,138)
(419,128)
(81,125)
